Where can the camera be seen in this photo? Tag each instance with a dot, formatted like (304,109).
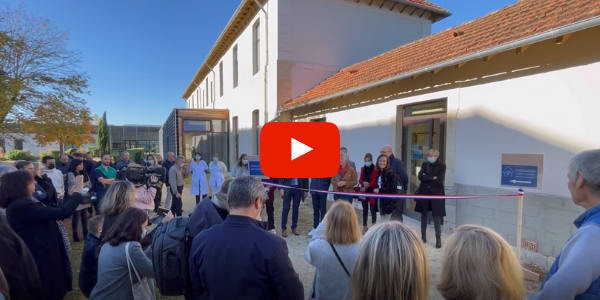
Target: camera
(139,175)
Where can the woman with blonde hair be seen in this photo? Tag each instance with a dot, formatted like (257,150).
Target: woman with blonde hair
(333,250)
(479,264)
(391,264)
(120,196)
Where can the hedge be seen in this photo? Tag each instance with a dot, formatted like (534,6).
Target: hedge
(20,155)
(52,152)
(95,150)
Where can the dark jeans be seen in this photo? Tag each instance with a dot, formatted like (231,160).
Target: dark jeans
(157,199)
(374,210)
(288,196)
(83,215)
(177,205)
(270,215)
(198,198)
(337,197)
(319,201)
(437,224)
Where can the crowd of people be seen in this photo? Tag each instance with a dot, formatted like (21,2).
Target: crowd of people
(233,253)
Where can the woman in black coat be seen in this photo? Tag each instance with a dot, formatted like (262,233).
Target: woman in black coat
(432,176)
(387,183)
(40,227)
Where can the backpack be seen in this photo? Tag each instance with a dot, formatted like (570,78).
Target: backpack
(171,245)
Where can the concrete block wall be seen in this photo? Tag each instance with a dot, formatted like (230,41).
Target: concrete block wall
(547,219)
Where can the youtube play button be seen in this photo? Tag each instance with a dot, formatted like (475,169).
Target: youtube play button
(300,149)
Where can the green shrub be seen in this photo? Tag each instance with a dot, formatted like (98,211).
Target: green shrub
(52,152)
(135,154)
(95,150)
(20,155)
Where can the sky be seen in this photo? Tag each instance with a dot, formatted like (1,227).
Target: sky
(142,55)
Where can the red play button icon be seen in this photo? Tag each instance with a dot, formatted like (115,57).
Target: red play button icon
(300,149)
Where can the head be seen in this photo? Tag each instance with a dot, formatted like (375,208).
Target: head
(106,160)
(243,160)
(197,156)
(96,223)
(225,186)
(479,264)
(77,155)
(245,196)
(171,157)
(120,196)
(180,161)
(64,159)
(343,159)
(344,150)
(215,157)
(6,169)
(25,166)
(159,159)
(150,159)
(584,178)
(368,159)
(125,155)
(130,226)
(75,166)
(112,160)
(386,150)
(38,169)
(341,224)
(89,156)
(15,186)
(72,151)
(383,163)
(432,155)
(391,264)
(49,162)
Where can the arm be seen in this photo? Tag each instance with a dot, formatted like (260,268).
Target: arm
(352,182)
(373,179)
(223,167)
(140,261)
(185,172)
(425,176)
(284,278)
(195,264)
(146,196)
(71,182)
(578,267)
(173,181)
(360,177)
(38,213)
(441,176)
(334,181)
(318,234)
(390,184)
(234,172)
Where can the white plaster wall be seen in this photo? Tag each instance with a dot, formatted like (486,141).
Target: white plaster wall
(30,144)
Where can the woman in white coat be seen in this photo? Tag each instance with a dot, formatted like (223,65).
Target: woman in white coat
(199,185)
(217,173)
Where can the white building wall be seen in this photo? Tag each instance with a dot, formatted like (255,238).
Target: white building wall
(30,144)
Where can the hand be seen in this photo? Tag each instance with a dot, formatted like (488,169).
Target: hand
(78,184)
(168,217)
(282,192)
(376,191)
(153,179)
(366,185)
(362,189)
(434,177)
(305,195)
(153,217)
(341,184)
(39,193)
(178,195)
(61,197)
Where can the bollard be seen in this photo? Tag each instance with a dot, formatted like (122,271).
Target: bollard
(519,223)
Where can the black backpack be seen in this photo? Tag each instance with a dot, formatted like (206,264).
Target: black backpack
(170,252)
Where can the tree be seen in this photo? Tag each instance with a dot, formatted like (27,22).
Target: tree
(74,126)
(35,65)
(96,119)
(103,135)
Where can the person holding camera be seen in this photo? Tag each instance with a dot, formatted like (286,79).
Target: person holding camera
(152,162)
(145,194)
(177,174)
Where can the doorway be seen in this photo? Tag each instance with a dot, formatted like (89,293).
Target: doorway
(423,128)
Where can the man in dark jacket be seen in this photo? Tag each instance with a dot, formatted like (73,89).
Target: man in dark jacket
(292,196)
(167,164)
(210,212)
(319,200)
(124,161)
(399,169)
(268,274)
(88,271)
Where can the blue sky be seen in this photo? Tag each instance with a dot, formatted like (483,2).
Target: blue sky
(141,55)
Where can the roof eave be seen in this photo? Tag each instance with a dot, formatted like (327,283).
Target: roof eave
(442,14)
(593,22)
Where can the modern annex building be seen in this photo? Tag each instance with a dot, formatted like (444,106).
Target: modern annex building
(507,98)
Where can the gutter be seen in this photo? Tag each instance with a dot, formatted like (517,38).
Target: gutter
(510,46)
(266,60)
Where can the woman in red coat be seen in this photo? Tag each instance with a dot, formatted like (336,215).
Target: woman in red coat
(269,204)
(368,181)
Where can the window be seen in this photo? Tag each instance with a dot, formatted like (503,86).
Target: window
(236,149)
(255,133)
(256,47)
(235,66)
(19,144)
(221,78)
(212,99)
(191,103)
(206,92)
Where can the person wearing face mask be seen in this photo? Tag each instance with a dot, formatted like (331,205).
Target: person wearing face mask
(368,181)
(240,168)
(432,176)
(177,173)
(268,275)
(217,173)
(55,175)
(199,185)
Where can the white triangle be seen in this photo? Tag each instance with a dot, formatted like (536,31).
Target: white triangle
(299,149)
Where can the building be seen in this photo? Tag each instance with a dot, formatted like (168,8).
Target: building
(261,60)
(27,142)
(519,86)
(123,137)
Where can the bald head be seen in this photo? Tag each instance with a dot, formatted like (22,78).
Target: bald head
(386,150)
(171,156)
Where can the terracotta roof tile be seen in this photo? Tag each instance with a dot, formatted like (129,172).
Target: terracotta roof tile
(427,4)
(511,23)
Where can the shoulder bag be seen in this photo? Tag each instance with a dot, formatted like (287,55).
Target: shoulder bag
(140,290)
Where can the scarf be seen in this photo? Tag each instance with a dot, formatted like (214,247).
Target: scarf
(367,173)
(66,243)
(220,199)
(342,173)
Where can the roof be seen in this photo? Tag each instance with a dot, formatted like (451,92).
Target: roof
(246,12)
(513,23)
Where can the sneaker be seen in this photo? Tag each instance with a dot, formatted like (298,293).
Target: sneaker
(273,231)
(311,232)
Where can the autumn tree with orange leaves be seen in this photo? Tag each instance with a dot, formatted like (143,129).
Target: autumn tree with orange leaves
(57,121)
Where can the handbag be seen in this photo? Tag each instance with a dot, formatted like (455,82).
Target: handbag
(313,291)
(140,290)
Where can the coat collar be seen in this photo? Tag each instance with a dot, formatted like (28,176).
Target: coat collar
(591,215)
(243,221)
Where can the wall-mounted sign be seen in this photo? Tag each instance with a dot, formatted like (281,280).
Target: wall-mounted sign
(522,170)
(254,167)
(417,152)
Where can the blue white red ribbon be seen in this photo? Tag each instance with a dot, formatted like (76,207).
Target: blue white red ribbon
(394,196)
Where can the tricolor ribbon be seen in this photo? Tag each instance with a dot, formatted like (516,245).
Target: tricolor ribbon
(396,196)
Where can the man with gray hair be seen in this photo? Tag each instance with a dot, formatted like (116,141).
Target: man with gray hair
(123,162)
(177,174)
(575,273)
(260,259)
(350,162)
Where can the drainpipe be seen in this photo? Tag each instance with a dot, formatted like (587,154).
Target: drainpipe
(266,60)
(213,86)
